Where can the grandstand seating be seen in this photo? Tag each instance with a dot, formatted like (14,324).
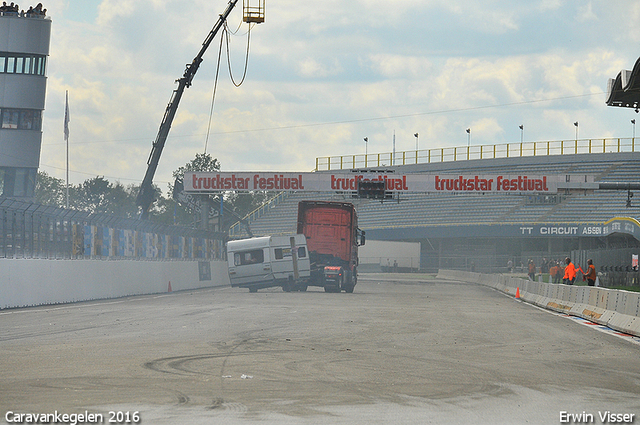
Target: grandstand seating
(419,210)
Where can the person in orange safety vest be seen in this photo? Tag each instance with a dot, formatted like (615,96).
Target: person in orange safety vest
(569,272)
(591,275)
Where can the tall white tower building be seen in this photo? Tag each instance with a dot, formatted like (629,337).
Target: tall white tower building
(24,48)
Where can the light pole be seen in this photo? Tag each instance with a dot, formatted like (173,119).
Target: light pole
(633,122)
(416,136)
(468,137)
(366,146)
(521,127)
(576,124)
(393,157)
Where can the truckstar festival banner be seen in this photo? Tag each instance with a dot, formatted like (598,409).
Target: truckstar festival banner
(205,182)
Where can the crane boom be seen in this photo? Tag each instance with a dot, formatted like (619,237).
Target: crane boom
(146,194)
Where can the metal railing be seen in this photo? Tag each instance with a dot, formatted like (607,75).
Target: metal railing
(236,229)
(29,230)
(466,153)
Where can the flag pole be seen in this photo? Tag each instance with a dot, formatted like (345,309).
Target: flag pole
(66,137)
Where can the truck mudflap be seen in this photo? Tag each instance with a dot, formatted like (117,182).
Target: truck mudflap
(338,279)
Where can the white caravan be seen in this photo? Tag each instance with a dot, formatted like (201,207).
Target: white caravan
(268,261)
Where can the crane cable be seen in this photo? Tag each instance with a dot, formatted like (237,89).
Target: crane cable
(246,60)
(215,83)
(213,96)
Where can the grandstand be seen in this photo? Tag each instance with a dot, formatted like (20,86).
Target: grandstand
(484,231)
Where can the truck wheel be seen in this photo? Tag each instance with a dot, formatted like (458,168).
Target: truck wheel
(349,289)
(253,289)
(331,288)
(343,279)
(354,280)
(302,288)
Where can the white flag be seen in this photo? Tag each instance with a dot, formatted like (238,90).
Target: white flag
(66,116)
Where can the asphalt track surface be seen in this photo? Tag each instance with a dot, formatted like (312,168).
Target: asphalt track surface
(400,350)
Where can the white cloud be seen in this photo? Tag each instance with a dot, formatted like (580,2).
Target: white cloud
(311,68)
(585,13)
(324,75)
(110,10)
(546,5)
(402,67)
(487,128)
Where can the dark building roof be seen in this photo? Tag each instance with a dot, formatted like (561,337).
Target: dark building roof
(624,90)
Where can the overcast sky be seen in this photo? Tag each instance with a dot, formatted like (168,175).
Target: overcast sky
(324,75)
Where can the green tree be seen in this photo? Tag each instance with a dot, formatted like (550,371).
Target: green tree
(244,203)
(99,195)
(202,162)
(93,195)
(96,195)
(171,211)
(236,204)
(49,190)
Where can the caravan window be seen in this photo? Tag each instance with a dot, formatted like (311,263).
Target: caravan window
(248,257)
(280,253)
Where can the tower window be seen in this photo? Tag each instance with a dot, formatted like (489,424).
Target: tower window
(21,119)
(11,63)
(10,118)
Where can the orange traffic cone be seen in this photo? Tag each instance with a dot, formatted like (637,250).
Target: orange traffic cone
(518,293)
(169,288)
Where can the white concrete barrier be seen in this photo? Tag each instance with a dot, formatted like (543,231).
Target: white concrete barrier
(31,282)
(617,309)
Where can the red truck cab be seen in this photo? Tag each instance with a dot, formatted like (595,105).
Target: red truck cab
(333,236)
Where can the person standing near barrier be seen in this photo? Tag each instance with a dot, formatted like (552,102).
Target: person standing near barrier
(553,270)
(532,270)
(569,272)
(561,267)
(591,273)
(558,272)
